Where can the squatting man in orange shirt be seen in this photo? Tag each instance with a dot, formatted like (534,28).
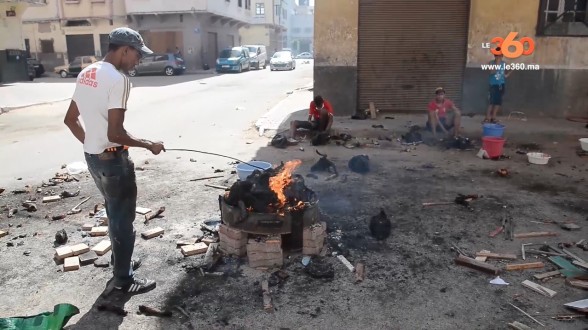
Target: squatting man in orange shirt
(443,114)
(100,98)
(320,118)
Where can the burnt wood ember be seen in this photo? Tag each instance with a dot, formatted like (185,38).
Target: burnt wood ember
(256,195)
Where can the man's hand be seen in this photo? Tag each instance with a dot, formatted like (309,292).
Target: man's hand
(156,147)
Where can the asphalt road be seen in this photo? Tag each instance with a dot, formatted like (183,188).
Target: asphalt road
(211,113)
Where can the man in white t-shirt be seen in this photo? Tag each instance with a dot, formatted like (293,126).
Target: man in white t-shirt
(100,98)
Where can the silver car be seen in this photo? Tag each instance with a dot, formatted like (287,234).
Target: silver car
(282,61)
(168,64)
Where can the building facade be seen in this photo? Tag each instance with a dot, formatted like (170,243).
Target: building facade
(365,53)
(200,29)
(269,22)
(64,29)
(13,55)
(301,27)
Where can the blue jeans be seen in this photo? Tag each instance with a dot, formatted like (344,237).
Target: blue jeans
(114,175)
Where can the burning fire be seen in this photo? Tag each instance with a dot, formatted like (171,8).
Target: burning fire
(280,181)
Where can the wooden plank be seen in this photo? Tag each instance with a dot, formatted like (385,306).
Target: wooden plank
(483,259)
(580,264)
(563,263)
(102,248)
(543,276)
(570,226)
(478,265)
(530,265)
(216,186)
(535,234)
(359,272)
(578,284)
(573,256)
(71,263)
(152,233)
(346,263)
(547,253)
(496,255)
(193,249)
(373,112)
(539,289)
(49,199)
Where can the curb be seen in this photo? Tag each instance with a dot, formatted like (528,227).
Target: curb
(8,109)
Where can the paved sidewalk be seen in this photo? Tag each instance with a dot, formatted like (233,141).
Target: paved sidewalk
(26,94)
(295,105)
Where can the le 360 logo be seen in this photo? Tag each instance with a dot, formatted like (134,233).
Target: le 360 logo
(510,47)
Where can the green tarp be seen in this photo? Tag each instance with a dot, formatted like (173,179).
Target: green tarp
(55,320)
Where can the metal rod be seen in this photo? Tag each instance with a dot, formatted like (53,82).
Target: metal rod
(219,155)
(532,318)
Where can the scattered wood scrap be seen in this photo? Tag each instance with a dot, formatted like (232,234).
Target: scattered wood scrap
(267,299)
(518,326)
(539,289)
(496,255)
(150,216)
(545,276)
(478,265)
(535,234)
(530,265)
(578,283)
(482,258)
(50,199)
(346,263)
(573,256)
(359,272)
(526,314)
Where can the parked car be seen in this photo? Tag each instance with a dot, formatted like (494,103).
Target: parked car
(305,56)
(282,61)
(39,68)
(168,64)
(234,59)
(258,56)
(75,67)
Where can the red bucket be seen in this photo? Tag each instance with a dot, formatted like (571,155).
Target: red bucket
(493,145)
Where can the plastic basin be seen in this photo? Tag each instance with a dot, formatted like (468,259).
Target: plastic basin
(245,170)
(584,143)
(538,158)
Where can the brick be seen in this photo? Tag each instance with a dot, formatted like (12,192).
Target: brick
(198,248)
(99,231)
(152,233)
(87,227)
(266,263)
(88,257)
(264,256)
(311,251)
(264,247)
(233,243)
(63,252)
(3,233)
(231,233)
(185,241)
(71,263)
(314,232)
(102,248)
(80,249)
(231,251)
(209,240)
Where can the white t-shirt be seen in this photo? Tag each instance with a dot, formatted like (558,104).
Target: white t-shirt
(100,87)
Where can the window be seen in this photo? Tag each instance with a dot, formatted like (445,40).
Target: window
(247,4)
(160,58)
(260,9)
(563,18)
(76,61)
(277,10)
(240,3)
(47,46)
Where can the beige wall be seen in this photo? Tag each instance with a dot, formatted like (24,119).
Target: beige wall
(496,18)
(255,35)
(11,36)
(335,32)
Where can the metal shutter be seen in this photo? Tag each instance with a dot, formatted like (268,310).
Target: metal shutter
(407,49)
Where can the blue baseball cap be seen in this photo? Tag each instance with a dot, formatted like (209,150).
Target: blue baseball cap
(129,37)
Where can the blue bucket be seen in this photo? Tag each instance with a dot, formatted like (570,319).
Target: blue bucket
(493,130)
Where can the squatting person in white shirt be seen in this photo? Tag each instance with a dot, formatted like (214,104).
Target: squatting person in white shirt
(100,98)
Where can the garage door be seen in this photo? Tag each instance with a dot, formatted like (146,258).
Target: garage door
(79,45)
(407,49)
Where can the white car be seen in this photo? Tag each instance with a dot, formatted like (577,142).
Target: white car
(282,61)
(305,55)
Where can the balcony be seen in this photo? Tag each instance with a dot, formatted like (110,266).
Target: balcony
(220,9)
(29,2)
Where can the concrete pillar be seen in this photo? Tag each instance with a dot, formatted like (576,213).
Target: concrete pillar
(335,53)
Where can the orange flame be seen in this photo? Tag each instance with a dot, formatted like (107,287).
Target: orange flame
(280,181)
